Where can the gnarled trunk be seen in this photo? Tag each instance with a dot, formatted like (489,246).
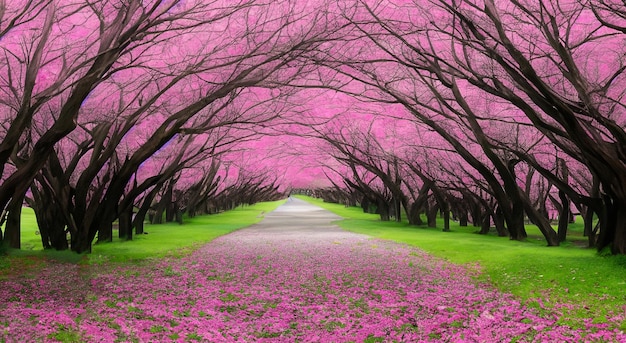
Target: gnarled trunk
(12,227)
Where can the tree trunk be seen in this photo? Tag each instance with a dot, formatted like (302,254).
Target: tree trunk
(463,218)
(619,240)
(446,219)
(125,226)
(515,222)
(12,228)
(49,219)
(542,222)
(140,216)
(157,216)
(81,243)
(105,234)
(170,212)
(398,210)
(498,220)
(383,210)
(552,239)
(477,215)
(138,223)
(352,201)
(431,216)
(589,230)
(179,216)
(564,217)
(613,226)
(365,204)
(414,214)
(485,223)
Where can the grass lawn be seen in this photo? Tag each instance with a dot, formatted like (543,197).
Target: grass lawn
(170,239)
(593,283)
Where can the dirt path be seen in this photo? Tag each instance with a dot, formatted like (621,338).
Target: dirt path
(295,219)
(294,277)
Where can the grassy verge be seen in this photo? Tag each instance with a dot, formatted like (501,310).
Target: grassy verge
(594,284)
(170,239)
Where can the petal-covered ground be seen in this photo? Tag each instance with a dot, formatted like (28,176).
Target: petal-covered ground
(293,278)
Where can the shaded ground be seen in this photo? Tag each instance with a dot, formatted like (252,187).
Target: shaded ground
(293,277)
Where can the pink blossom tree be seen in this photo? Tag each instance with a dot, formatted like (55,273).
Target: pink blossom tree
(176,69)
(574,100)
(448,57)
(52,62)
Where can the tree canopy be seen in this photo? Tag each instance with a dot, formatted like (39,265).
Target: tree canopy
(493,113)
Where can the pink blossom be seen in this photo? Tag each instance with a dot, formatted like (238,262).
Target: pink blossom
(247,286)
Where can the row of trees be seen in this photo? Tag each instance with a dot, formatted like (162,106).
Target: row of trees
(110,108)
(517,109)
(494,111)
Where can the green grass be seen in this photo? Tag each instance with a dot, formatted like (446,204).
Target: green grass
(170,239)
(30,230)
(529,269)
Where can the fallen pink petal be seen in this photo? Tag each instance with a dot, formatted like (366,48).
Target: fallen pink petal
(293,277)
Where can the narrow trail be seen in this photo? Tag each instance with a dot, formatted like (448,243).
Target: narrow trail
(295,219)
(294,277)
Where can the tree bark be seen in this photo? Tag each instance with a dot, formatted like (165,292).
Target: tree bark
(446,219)
(105,234)
(463,218)
(590,229)
(398,210)
(125,226)
(498,220)
(383,210)
(414,214)
(50,220)
(564,216)
(613,226)
(179,216)
(431,215)
(485,224)
(12,228)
